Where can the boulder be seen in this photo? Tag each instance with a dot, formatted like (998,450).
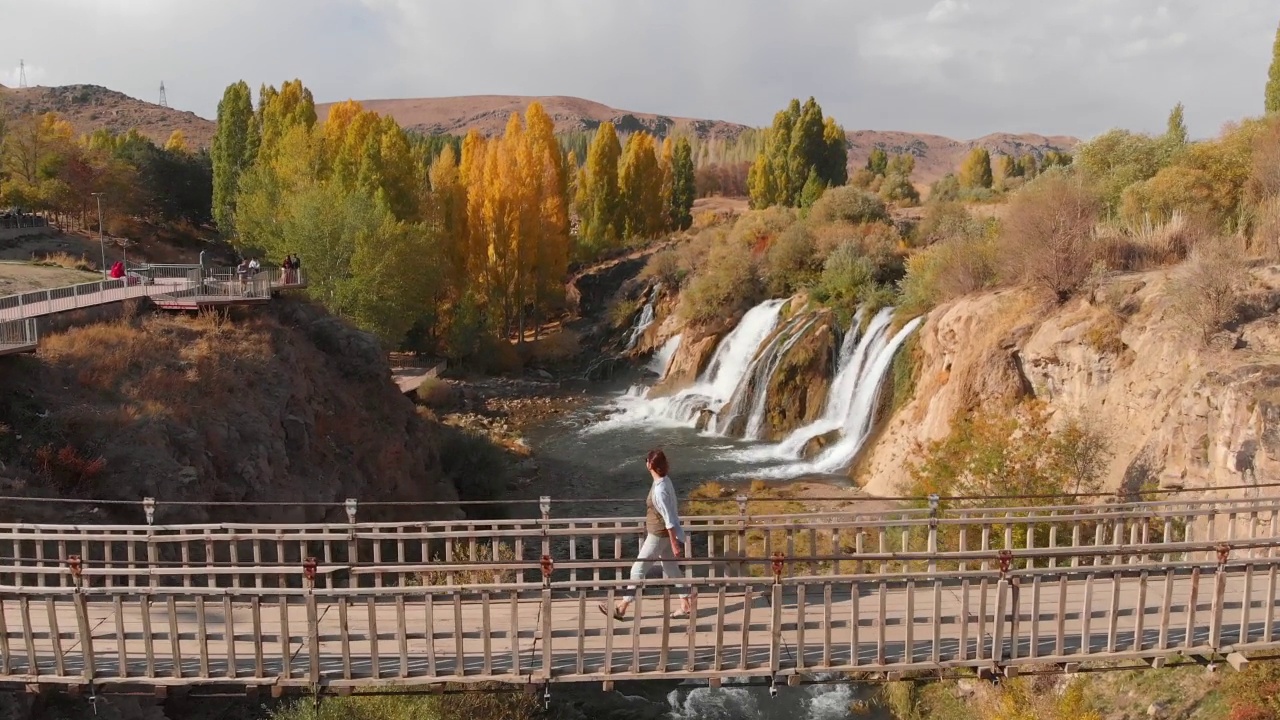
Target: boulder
(816,444)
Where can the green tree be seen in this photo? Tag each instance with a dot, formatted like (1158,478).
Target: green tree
(683,188)
(878,163)
(599,198)
(640,187)
(1273,79)
(1177,130)
(975,171)
(231,151)
(799,140)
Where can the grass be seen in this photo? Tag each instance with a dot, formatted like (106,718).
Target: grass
(65,260)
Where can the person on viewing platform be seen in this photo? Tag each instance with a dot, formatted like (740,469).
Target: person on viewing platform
(663,539)
(117,270)
(242,272)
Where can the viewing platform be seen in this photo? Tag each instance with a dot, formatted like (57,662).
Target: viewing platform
(169,287)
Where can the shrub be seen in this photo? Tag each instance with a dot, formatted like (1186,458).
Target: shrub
(1047,240)
(849,205)
(473,463)
(756,229)
(898,190)
(665,268)
(791,262)
(948,270)
(435,393)
(725,285)
(68,469)
(1266,231)
(1206,290)
(944,221)
(849,279)
(945,189)
(65,260)
(1255,693)
(1151,245)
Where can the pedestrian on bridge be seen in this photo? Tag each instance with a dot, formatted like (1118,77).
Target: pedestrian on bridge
(663,538)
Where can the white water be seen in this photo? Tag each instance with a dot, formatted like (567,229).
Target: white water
(854,353)
(644,320)
(713,388)
(661,360)
(855,425)
(764,366)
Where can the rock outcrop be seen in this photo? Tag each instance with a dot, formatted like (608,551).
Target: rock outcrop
(797,391)
(1118,359)
(282,404)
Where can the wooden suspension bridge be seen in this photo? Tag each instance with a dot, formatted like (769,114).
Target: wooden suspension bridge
(337,607)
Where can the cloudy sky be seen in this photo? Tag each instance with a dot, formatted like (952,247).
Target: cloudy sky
(955,67)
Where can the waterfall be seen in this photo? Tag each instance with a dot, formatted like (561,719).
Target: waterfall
(854,351)
(754,386)
(850,407)
(645,319)
(661,360)
(714,387)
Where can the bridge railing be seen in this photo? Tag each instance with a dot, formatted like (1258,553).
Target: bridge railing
(363,554)
(18,333)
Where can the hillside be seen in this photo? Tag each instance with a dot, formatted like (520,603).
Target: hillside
(92,107)
(935,155)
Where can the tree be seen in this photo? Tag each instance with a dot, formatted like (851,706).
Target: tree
(1273,79)
(599,201)
(800,140)
(682,186)
(231,151)
(1177,130)
(640,188)
(551,171)
(1047,237)
(878,162)
(177,142)
(975,171)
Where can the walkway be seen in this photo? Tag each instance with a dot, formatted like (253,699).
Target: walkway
(343,605)
(171,287)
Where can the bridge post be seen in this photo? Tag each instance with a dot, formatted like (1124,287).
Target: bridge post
(998,632)
(313,623)
(775,639)
(548,566)
(82,619)
(1219,592)
(742,534)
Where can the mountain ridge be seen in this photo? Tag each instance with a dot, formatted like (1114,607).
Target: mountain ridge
(92,107)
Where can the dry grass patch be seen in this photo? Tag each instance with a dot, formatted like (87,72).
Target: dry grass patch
(65,260)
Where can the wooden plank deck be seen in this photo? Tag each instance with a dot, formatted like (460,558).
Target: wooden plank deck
(417,635)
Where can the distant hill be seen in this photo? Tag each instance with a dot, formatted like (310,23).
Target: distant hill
(92,107)
(935,155)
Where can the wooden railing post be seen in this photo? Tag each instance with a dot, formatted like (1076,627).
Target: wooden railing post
(548,566)
(313,621)
(997,638)
(775,634)
(82,620)
(1219,593)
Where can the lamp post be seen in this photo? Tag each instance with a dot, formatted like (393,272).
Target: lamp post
(102,245)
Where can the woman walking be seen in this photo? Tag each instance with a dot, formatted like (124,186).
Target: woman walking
(664,535)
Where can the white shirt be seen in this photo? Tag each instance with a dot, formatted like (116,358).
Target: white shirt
(663,494)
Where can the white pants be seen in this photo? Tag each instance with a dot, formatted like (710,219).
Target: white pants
(654,547)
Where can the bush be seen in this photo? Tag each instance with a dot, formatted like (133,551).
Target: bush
(898,190)
(945,221)
(473,463)
(948,270)
(1151,245)
(725,285)
(68,469)
(665,268)
(1047,240)
(435,393)
(849,205)
(849,279)
(757,229)
(1206,290)
(1255,693)
(791,262)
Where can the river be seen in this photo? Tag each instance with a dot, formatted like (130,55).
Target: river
(600,465)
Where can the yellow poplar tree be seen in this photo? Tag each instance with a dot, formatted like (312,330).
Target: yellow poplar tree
(640,187)
(550,172)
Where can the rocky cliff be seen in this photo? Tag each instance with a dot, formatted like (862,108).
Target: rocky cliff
(1121,359)
(282,403)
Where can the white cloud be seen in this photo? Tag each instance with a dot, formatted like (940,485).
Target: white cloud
(958,67)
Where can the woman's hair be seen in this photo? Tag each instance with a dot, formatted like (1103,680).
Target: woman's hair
(657,460)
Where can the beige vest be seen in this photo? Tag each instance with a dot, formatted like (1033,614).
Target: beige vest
(653,522)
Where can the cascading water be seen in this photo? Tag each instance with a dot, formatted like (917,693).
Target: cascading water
(645,318)
(855,425)
(661,360)
(854,353)
(713,388)
(755,382)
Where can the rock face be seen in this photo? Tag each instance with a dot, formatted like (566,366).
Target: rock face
(1120,360)
(691,358)
(284,404)
(797,392)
